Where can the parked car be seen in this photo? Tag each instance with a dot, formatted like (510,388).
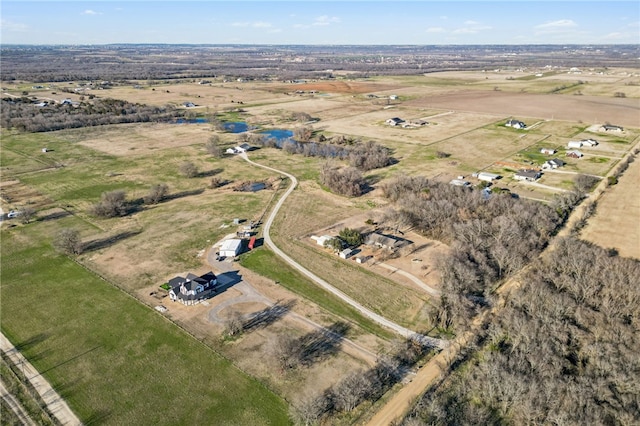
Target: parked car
(13,213)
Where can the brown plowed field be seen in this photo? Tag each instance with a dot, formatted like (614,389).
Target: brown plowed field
(615,223)
(621,111)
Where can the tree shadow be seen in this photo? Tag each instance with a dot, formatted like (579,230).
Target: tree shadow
(268,316)
(31,341)
(106,242)
(209,173)
(323,343)
(53,216)
(182,194)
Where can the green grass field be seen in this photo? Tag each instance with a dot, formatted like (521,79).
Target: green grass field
(113,359)
(265,263)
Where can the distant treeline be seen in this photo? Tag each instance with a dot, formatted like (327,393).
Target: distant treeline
(144,62)
(24,115)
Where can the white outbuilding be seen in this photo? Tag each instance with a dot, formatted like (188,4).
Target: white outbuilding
(231,247)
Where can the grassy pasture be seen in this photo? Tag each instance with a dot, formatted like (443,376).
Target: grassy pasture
(114,360)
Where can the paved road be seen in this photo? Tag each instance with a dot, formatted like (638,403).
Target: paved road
(15,406)
(56,405)
(405,332)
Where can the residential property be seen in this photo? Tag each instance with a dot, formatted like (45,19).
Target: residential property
(548,151)
(231,247)
(574,144)
(395,121)
(552,164)
(574,154)
(516,124)
(192,289)
(589,142)
(243,148)
(487,177)
(611,128)
(383,241)
(530,175)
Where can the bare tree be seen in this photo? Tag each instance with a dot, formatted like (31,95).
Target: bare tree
(156,193)
(213,146)
(188,169)
(234,324)
(584,183)
(27,214)
(111,204)
(303,133)
(67,240)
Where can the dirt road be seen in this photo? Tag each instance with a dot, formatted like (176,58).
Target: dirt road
(56,405)
(405,332)
(15,406)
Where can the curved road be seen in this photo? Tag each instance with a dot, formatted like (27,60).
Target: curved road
(428,341)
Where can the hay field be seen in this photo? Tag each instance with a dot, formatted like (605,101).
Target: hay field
(615,223)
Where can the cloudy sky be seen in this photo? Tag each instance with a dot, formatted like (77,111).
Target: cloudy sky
(320,22)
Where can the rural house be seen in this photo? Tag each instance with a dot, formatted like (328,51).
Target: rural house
(548,151)
(382,241)
(529,175)
(574,154)
(574,144)
(192,289)
(394,121)
(611,128)
(552,164)
(516,124)
(589,142)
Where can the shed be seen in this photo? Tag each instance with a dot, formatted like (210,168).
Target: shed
(231,248)
(574,144)
(574,154)
(321,240)
(252,243)
(549,151)
(346,253)
(394,121)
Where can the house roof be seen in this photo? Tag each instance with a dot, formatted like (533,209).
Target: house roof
(529,173)
(381,240)
(231,244)
(557,162)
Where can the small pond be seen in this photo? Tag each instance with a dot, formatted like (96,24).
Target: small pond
(280,135)
(235,126)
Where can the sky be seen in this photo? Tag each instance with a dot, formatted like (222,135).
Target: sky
(320,22)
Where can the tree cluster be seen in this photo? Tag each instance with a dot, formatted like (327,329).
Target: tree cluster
(24,115)
(352,237)
(111,204)
(359,386)
(562,351)
(489,238)
(346,181)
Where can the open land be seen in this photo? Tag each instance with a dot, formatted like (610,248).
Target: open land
(465,113)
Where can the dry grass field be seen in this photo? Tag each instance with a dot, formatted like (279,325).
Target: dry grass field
(615,223)
(465,115)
